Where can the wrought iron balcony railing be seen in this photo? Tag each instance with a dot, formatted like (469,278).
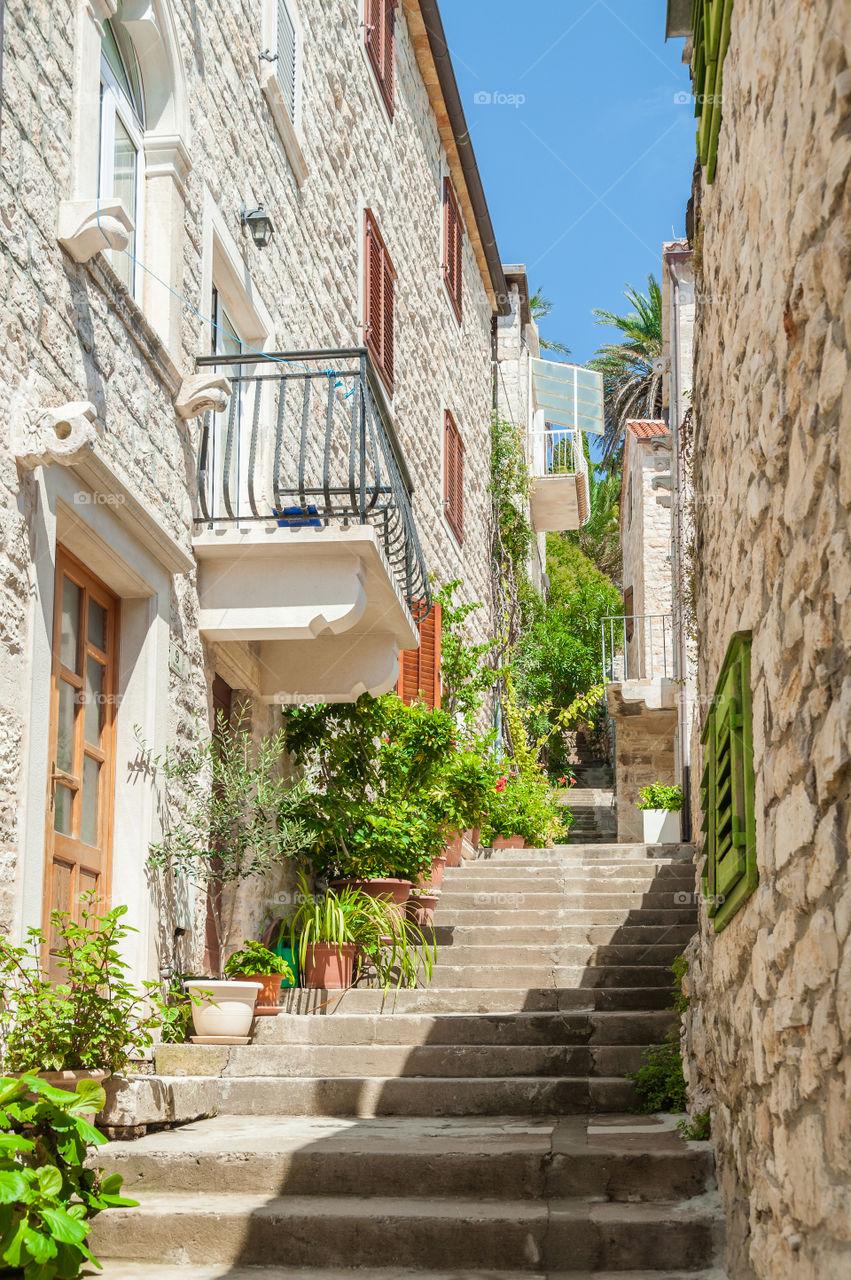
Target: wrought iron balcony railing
(638,647)
(303,444)
(556,451)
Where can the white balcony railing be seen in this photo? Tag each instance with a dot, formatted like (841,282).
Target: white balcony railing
(556,451)
(638,647)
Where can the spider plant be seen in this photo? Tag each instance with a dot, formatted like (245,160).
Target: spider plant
(398,949)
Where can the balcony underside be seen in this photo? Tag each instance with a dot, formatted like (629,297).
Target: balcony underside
(558,503)
(320,608)
(641,697)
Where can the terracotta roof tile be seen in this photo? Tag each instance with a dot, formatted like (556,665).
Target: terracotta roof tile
(644,428)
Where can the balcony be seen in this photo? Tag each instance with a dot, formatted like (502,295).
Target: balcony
(304,533)
(638,662)
(567,400)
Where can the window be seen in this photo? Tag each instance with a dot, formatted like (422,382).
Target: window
(380,35)
(122,124)
(227,445)
(727,789)
(453,245)
(419,669)
(287,61)
(82,719)
(379,288)
(453,476)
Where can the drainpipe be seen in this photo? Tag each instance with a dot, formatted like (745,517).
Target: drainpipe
(2,15)
(672,257)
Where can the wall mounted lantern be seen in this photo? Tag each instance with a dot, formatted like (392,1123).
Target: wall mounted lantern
(259,224)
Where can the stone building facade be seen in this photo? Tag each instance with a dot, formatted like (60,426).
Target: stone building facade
(195,116)
(768,1031)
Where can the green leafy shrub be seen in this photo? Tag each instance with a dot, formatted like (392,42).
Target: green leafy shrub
(47,1194)
(94,1018)
(523,806)
(254,958)
(659,796)
(696,1128)
(659,1081)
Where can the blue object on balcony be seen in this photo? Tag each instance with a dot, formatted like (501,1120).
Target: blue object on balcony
(294,518)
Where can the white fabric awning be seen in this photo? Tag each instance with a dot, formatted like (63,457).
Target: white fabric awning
(568,395)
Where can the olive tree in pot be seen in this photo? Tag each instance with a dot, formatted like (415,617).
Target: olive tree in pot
(229,817)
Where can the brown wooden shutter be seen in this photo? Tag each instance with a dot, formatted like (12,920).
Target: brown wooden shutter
(453,494)
(453,238)
(380,23)
(379,301)
(419,669)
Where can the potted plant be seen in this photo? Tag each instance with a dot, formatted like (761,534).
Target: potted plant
(256,963)
(460,795)
(660,805)
(276,936)
(522,812)
(229,816)
(421,906)
(331,930)
(91,1021)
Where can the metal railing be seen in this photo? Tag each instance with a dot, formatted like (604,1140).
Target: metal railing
(637,647)
(556,451)
(303,444)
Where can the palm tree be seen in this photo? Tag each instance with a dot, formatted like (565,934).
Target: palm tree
(599,537)
(541,306)
(632,384)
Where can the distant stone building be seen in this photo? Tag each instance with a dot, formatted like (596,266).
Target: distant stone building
(768,452)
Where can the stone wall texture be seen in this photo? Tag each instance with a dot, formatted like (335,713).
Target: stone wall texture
(76,334)
(769,1031)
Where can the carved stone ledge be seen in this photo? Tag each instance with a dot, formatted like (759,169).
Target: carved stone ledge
(88,226)
(202,393)
(64,435)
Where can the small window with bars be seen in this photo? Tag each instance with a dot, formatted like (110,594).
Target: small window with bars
(453,247)
(453,473)
(379,301)
(419,669)
(727,789)
(380,36)
(286,64)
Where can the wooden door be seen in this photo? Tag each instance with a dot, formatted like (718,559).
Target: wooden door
(82,741)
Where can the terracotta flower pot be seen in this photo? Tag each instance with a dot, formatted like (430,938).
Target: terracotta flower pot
(434,878)
(453,848)
(420,908)
(269,995)
(508,842)
(329,967)
(393,891)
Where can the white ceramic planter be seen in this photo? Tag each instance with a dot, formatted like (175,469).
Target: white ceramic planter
(661,826)
(225,1010)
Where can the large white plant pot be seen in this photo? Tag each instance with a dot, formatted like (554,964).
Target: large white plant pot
(225,1010)
(661,826)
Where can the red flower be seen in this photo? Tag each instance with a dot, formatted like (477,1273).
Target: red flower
(501,782)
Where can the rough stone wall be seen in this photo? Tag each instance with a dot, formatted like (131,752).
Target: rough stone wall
(646,548)
(644,753)
(770,1023)
(75,331)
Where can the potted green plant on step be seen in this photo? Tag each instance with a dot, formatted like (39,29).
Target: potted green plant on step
(660,805)
(256,963)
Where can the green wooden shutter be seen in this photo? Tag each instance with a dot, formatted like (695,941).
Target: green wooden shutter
(727,789)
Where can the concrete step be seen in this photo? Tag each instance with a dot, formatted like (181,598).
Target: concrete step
(539,975)
(460,1029)
(571,852)
(553,877)
(561,955)
(434,999)
(326,1061)
(501,1158)
(417,1232)
(142,1271)
(582,910)
(561,935)
(158,1100)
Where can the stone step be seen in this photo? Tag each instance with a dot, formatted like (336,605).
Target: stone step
(540,975)
(560,954)
(432,999)
(417,1232)
(459,1029)
(562,935)
(158,1100)
(581,911)
(324,1061)
(570,852)
(142,1271)
(554,877)
(492,1157)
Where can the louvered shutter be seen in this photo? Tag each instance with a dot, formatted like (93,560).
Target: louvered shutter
(454,476)
(379,301)
(285,67)
(453,247)
(388,304)
(380,24)
(419,669)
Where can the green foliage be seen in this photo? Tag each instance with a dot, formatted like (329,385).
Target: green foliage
(466,672)
(697,1128)
(47,1194)
(176,1014)
(599,537)
(94,1019)
(398,949)
(253,958)
(512,533)
(525,807)
(541,306)
(229,814)
(659,1081)
(659,796)
(632,388)
(385,782)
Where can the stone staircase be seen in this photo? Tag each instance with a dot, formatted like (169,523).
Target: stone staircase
(477,1128)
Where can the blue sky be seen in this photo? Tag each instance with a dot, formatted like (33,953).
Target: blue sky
(588,175)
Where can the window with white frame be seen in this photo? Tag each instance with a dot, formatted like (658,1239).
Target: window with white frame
(286,65)
(281,77)
(227,446)
(122,125)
